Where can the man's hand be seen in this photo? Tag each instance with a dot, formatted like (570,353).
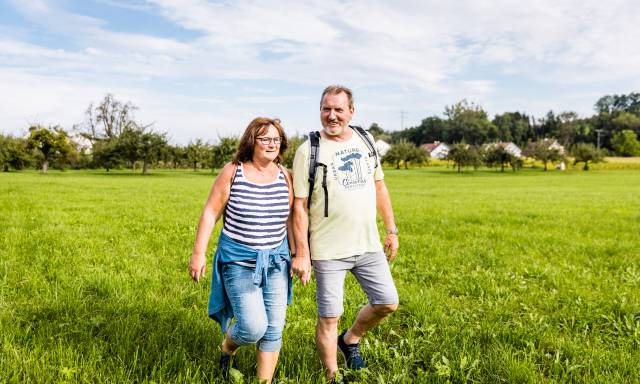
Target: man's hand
(301,267)
(391,245)
(197,266)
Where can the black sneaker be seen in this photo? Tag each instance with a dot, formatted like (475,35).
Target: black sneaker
(351,353)
(225,365)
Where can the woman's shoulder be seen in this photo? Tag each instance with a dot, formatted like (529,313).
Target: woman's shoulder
(228,171)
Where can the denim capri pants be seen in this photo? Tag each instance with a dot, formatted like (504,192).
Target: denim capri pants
(259,312)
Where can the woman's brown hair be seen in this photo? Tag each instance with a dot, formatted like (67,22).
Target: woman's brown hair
(257,127)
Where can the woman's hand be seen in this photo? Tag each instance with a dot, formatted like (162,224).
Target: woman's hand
(197,266)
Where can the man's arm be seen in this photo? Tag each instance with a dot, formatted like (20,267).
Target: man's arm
(301,265)
(383,203)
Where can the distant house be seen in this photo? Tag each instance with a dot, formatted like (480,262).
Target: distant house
(437,150)
(382,147)
(507,146)
(548,143)
(83,144)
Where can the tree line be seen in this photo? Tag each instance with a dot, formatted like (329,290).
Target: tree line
(111,138)
(614,127)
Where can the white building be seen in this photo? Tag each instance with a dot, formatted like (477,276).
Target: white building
(437,150)
(507,146)
(382,147)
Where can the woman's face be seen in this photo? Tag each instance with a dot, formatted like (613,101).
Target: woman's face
(266,147)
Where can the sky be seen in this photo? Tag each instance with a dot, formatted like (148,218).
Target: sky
(205,69)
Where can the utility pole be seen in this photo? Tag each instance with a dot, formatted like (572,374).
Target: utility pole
(599,131)
(402,115)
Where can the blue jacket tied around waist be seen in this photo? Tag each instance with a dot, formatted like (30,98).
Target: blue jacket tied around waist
(229,251)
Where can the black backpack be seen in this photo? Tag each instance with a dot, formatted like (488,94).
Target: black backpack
(314,140)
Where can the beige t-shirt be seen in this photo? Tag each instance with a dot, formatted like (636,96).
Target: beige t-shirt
(350,229)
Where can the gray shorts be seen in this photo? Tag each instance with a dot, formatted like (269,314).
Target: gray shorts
(370,269)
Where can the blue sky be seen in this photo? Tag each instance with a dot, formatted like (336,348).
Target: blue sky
(204,69)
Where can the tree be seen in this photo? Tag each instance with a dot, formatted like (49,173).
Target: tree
(106,154)
(49,142)
(114,134)
(128,145)
(405,152)
(224,151)
(292,146)
(377,131)
(586,153)
(514,126)
(177,156)
(464,155)
(430,129)
(469,123)
(108,119)
(497,155)
(542,151)
(197,153)
(626,143)
(151,146)
(626,121)
(14,153)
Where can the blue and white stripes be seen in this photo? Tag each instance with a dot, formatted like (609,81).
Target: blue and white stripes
(256,214)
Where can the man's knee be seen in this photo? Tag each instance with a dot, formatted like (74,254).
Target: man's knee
(383,310)
(327,324)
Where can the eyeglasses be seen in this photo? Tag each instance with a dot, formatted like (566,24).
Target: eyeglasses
(267,140)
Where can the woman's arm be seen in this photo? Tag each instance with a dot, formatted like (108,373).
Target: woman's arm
(210,214)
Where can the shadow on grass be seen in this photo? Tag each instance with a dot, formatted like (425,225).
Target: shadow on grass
(139,340)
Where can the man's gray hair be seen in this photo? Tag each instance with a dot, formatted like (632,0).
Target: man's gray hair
(336,89)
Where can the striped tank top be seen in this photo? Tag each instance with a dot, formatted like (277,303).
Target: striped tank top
(256,214)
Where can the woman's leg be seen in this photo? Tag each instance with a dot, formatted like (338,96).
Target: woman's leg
(275,303)
(228,346)
(266,365)
(247,302)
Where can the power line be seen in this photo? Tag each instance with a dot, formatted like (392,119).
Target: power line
(598,132)
(402,115)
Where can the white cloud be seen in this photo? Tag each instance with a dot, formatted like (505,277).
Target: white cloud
(416,55)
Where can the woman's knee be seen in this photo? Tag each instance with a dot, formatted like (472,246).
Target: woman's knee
(249,332)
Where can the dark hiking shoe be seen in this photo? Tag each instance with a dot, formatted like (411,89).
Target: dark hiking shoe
(226,364)
(351,353)
(336,380)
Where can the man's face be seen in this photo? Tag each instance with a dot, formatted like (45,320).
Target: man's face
(335,113)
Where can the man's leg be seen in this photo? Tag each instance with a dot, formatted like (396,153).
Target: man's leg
(368,317)
(326,343)
(373,273)
(330,276)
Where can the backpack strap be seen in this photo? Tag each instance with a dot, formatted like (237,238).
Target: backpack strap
(365,137)
(314,141)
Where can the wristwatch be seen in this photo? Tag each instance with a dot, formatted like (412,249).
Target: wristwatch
(392,231)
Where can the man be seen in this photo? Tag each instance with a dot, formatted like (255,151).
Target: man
(346,239)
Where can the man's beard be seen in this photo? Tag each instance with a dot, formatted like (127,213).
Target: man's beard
(331,133)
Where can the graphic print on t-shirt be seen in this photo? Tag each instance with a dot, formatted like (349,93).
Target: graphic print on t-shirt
(351,168)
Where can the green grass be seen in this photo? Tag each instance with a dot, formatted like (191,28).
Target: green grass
(516,278)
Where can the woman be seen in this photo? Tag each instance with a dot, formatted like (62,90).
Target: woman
(251,278)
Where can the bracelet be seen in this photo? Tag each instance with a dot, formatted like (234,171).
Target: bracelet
(392,231)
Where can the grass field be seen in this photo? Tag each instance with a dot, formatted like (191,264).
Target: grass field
(515,278)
